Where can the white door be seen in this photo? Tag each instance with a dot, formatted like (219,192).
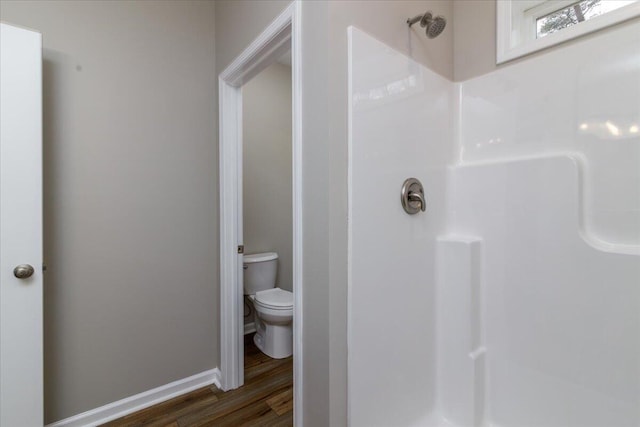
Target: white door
(21,353)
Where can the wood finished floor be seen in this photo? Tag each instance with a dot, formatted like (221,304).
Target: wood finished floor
(266,399)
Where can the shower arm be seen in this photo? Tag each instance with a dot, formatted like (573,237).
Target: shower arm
(415,19)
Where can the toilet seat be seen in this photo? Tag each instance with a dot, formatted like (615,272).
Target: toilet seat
(274,299)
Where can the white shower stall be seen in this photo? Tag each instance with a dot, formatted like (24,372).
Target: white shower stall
(514,299)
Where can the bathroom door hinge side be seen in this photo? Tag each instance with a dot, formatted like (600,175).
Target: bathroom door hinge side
(240,249)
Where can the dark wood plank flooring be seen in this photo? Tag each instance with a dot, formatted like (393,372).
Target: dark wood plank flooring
(266,399)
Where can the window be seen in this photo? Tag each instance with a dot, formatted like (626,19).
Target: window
(525,26)
(574,14)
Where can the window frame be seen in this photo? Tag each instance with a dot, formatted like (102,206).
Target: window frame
(516,25)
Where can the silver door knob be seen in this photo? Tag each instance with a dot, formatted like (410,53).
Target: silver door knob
(23,271)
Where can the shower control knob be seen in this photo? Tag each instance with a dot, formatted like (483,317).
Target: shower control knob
(412,196)
(23,271)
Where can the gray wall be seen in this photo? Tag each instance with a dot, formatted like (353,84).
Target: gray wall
(130,183)
(266,167)
(474,41)
(324,67)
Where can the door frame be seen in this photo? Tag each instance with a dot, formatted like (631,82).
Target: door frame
(282,34)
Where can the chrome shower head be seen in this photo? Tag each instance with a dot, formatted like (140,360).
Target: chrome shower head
(434,26)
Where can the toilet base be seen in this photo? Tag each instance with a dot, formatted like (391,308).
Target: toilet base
(276,341)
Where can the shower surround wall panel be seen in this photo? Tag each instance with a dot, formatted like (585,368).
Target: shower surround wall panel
(460,342)
(518,291)
(581,98)
(560,317)
(399,128)
(549,178)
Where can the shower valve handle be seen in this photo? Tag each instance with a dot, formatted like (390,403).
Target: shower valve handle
(411,194)
(414,196)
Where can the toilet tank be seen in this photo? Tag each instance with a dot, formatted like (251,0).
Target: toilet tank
(260,272)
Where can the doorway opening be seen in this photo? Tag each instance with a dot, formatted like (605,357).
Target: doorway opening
(276,41)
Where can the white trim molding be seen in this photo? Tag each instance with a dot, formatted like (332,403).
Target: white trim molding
(137,402)
(231,295)
(249,328)
(298,288)
(282,35)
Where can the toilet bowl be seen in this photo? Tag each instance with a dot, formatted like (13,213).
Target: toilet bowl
(273,307)
(273,321)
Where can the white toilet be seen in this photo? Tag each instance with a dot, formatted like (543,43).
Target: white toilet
(273,306)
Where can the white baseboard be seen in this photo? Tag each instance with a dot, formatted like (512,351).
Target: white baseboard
(249,328)
(140,401)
